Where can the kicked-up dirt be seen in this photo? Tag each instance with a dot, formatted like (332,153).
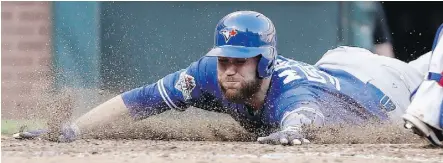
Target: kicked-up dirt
(140,151)
(203,137)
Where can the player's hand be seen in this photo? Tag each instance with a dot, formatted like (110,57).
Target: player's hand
(67,133)
(22,134)
(288,136)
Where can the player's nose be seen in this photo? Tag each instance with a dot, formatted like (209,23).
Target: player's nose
(231,70)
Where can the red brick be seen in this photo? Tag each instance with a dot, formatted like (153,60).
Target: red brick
(20,90)
(18,30)
(33,16)
(13,96)
(13,83)
(8,30)
(7,76)
(8,109)
(24,30)
(24,104)
(6,15)
(19,108)
(6,104)
(15,107)
(16,61)
(25,3)
(6,46)
(43,30)
(23,53)
(7,3)
(45,61)
(44,3)
(32,45)
(26,76)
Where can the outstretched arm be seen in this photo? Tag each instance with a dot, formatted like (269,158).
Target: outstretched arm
(174,91)
(112,111)
(170,92)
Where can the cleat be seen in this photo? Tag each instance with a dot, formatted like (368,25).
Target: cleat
(424,130)
(16,136)
(424,116)
(408,125)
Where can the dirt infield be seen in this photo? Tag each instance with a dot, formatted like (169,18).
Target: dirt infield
(202,137)
(97,151)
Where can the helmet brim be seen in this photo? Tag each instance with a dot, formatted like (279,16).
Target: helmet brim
(240,52)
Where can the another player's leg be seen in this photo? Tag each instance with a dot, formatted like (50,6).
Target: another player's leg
(425,114)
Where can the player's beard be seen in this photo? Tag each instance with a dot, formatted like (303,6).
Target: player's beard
(246,91)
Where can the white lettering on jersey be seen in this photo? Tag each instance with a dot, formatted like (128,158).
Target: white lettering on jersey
(311,73)
(290,75)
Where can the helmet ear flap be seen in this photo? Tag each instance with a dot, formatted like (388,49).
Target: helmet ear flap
(265,67)
(266,64)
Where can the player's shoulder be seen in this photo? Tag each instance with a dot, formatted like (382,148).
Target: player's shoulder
(287,77)
(203,72)
(292,76)
(288,72)
(206,62)
(284,63)
(204,66)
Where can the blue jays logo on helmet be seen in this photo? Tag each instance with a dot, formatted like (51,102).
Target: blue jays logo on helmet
(228,33)
(247,34)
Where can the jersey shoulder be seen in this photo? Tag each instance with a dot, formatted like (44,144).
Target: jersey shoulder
(290,80)
(286,71)
(205,68)
(290,73)
(204,72)
(295,78)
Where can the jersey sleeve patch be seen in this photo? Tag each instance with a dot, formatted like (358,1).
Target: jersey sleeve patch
(185,84)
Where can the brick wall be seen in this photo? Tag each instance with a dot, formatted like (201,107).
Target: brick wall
(25,56)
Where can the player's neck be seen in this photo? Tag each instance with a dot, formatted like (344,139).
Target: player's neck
(257,100)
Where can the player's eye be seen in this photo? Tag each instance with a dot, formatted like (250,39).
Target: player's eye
(223,60)
(240,61)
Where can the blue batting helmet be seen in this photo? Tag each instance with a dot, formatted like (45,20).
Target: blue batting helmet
(246,34)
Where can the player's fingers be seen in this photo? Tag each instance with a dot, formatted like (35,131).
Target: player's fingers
(291,137)
(263,140)
(284,141)
(300,141)
(296,142)
(29,134)
(272,139)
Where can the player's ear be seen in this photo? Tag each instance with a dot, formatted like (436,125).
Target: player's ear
(257,60)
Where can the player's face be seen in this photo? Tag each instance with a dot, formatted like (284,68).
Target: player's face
(237,77)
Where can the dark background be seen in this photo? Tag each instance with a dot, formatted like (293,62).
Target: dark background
(413,25)
(122,45)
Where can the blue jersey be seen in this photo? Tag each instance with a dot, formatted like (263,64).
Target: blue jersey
(334,95)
